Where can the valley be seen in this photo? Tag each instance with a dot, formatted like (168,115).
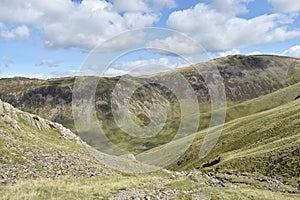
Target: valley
(256,156)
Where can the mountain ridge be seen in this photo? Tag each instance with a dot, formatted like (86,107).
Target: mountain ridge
(244,77)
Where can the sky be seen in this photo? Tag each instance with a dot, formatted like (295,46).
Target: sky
(49,39)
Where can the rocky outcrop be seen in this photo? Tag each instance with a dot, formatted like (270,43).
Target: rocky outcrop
(33,147)
(12,115)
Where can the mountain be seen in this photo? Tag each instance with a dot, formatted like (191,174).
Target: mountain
(41,159)
(256,156)
(33,147)
(265,143)
(244,77)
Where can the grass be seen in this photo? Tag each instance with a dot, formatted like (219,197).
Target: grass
(104,187)
(243,192)
(70,188)
(234,111)
(25,153)
(52,98)
(183,184)
(261,138)
(263,103)
(265,143)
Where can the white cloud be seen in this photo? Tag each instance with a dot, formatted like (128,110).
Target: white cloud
(68,24)
(130,5)
(137,67)
(115,72)
(293,51)
(229,52)
(132,19)
(254,53)
(176,44)
(163,3)
(22,12)
(69,73)
(231,7)
(144,67)
(142,5)
(6,61)
(37,76)
(48,63)
(286,6)
(92,25)
(134,68)
(122,42)
(217,31)
(20,32)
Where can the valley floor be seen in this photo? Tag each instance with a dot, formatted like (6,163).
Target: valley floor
(159,185)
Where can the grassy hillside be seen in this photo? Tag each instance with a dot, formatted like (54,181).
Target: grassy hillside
(32,147)
(245,78)
(151,186)
(265,143)
(39,159)
(236,110)
(256,157)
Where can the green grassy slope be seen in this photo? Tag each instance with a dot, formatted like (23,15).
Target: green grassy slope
(32,147)
(149,186)
(236,110)
(263,103)
(265,143)
(245,77)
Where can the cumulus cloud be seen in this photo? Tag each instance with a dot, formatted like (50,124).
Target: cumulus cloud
(22,12)
(176,44)
(144,67)
(93,23)
(67,24)
(293,51)
(158,4)
(254,53)
(69,73)
(130,5)
(137,67)
(142,5)
(231,7)
(229,52)
(6,61)
(286,6)
(20,32)
(216,30)
(122,42)
(48,63)
(36,75)
(111,72)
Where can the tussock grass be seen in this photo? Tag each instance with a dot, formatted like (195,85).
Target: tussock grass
(265,143)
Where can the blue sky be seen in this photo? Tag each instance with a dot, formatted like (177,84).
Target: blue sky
(47,39)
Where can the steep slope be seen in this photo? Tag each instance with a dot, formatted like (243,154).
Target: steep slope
(32,147)
(245,77)
(256,105)
(266,143)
